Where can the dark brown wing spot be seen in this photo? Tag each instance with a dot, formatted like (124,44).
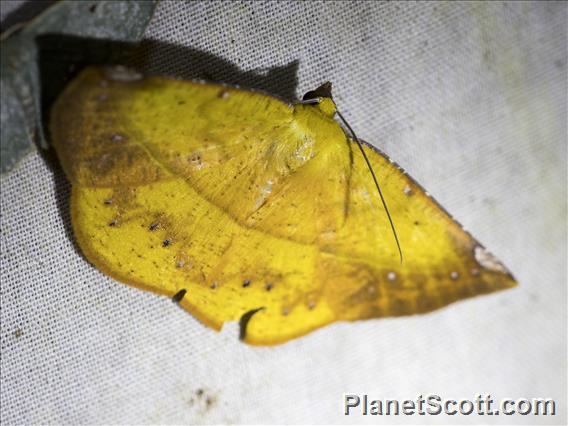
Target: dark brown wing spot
(179,295)
(243,322)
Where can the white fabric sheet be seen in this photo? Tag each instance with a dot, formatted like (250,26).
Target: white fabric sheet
(470,98)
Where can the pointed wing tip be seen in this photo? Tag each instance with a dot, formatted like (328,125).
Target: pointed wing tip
(510,282)
(505,283)
(488,262)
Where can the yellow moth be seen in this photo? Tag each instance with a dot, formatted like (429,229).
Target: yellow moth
(244,207)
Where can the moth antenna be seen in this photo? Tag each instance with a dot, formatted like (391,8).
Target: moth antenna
(356,139)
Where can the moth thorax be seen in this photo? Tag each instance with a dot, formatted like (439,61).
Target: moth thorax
(327,106)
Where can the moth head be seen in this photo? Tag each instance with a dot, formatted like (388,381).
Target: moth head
(321,99)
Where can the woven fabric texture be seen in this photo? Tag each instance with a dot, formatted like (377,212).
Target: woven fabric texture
(470,98)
